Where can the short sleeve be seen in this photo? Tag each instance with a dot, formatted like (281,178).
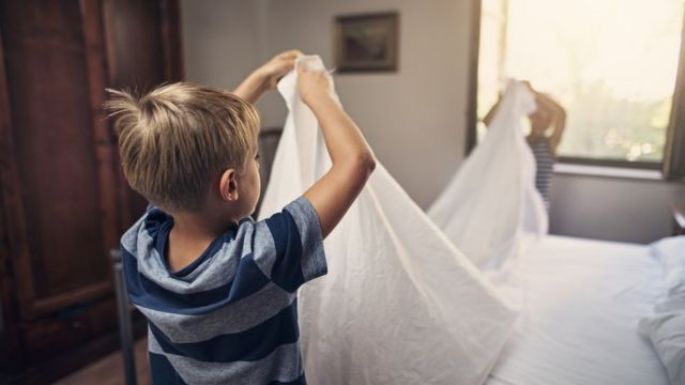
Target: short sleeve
(288,246)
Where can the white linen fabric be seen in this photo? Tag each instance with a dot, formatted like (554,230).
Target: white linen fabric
(583,302)
(671,253)
(667,333)
(400,305)
(491,203)
(666,327)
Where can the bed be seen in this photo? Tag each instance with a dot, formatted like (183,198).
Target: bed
(581,301)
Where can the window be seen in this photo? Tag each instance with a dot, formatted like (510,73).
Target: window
(612,64)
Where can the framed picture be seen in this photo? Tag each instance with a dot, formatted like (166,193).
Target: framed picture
(367,42)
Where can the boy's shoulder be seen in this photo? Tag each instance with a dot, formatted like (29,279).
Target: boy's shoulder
(147,238)
(285,249)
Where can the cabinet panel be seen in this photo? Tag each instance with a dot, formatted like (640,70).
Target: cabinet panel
(55,157)
(63,201)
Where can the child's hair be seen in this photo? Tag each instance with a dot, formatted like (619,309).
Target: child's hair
(176,138)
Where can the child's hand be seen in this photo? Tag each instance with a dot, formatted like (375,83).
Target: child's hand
(273,70)
(267,76)
(313,85)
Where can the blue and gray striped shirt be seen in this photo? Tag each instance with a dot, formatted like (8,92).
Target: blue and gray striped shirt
(230,317)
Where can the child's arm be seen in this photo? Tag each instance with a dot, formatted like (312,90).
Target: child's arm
(266,77)
(353,161)
(558,119)
(491,113)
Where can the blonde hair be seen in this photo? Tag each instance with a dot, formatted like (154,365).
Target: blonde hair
(175,139)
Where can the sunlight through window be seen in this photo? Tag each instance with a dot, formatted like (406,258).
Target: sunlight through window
(612,64)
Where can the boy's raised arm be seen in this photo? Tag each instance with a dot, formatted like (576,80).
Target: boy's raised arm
(353,161)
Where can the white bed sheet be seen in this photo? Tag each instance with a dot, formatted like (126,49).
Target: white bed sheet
(582,301)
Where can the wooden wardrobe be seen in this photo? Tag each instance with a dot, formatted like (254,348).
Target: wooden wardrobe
(63,201)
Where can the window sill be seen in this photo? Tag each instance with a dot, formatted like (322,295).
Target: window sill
(609,172)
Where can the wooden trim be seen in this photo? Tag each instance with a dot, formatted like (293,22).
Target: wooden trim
(17,249)
(472,102)
(92,292)
(674,153)
(120,189)
(102,141)
(171,40)
(11,353)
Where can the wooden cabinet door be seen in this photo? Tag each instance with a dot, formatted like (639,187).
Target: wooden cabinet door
(57,161)
(143,51)
(63,200)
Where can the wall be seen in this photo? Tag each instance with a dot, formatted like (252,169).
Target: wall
(617,209)
(414,119)
(221,40)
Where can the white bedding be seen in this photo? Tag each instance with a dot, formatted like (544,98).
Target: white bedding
(400,304)
(503,161)
(582,301)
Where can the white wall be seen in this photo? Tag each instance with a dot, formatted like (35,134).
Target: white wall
(613,208)
(414,119)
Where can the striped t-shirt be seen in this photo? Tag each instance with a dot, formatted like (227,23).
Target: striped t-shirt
(544,163)
(230,317)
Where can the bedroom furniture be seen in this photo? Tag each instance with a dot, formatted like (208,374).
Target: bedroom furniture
(124,319)
(63,201)
(678,213)
(268,142)
(581,301)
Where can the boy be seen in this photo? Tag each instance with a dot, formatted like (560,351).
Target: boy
(218,289)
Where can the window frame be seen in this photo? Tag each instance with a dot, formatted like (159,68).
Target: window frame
(672,164)
(673,168)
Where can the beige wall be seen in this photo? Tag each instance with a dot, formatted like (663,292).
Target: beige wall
(415,119)
(220,40)
(616,209)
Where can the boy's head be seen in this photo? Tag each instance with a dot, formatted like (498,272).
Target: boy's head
(189,148)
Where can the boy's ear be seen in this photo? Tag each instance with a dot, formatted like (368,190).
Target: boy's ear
(228,185)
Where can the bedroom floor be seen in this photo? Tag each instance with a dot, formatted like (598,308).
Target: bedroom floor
(109,370)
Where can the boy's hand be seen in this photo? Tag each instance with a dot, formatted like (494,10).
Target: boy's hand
(273,70)
(352,159)
(313,85)
(267,76)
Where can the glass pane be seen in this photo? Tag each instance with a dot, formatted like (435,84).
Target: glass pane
(612,64)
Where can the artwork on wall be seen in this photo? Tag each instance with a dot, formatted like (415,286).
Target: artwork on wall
(367,42)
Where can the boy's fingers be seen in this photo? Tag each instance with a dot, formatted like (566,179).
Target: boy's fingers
(292,54)
(302,69)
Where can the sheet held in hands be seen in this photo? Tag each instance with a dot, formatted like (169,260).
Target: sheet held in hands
(400,304)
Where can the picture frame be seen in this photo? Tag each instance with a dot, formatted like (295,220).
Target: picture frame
(367,42)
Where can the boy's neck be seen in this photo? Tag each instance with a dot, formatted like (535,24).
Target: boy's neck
(191,234)
(202,225)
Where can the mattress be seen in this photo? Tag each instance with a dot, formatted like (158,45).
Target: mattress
(580,302)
